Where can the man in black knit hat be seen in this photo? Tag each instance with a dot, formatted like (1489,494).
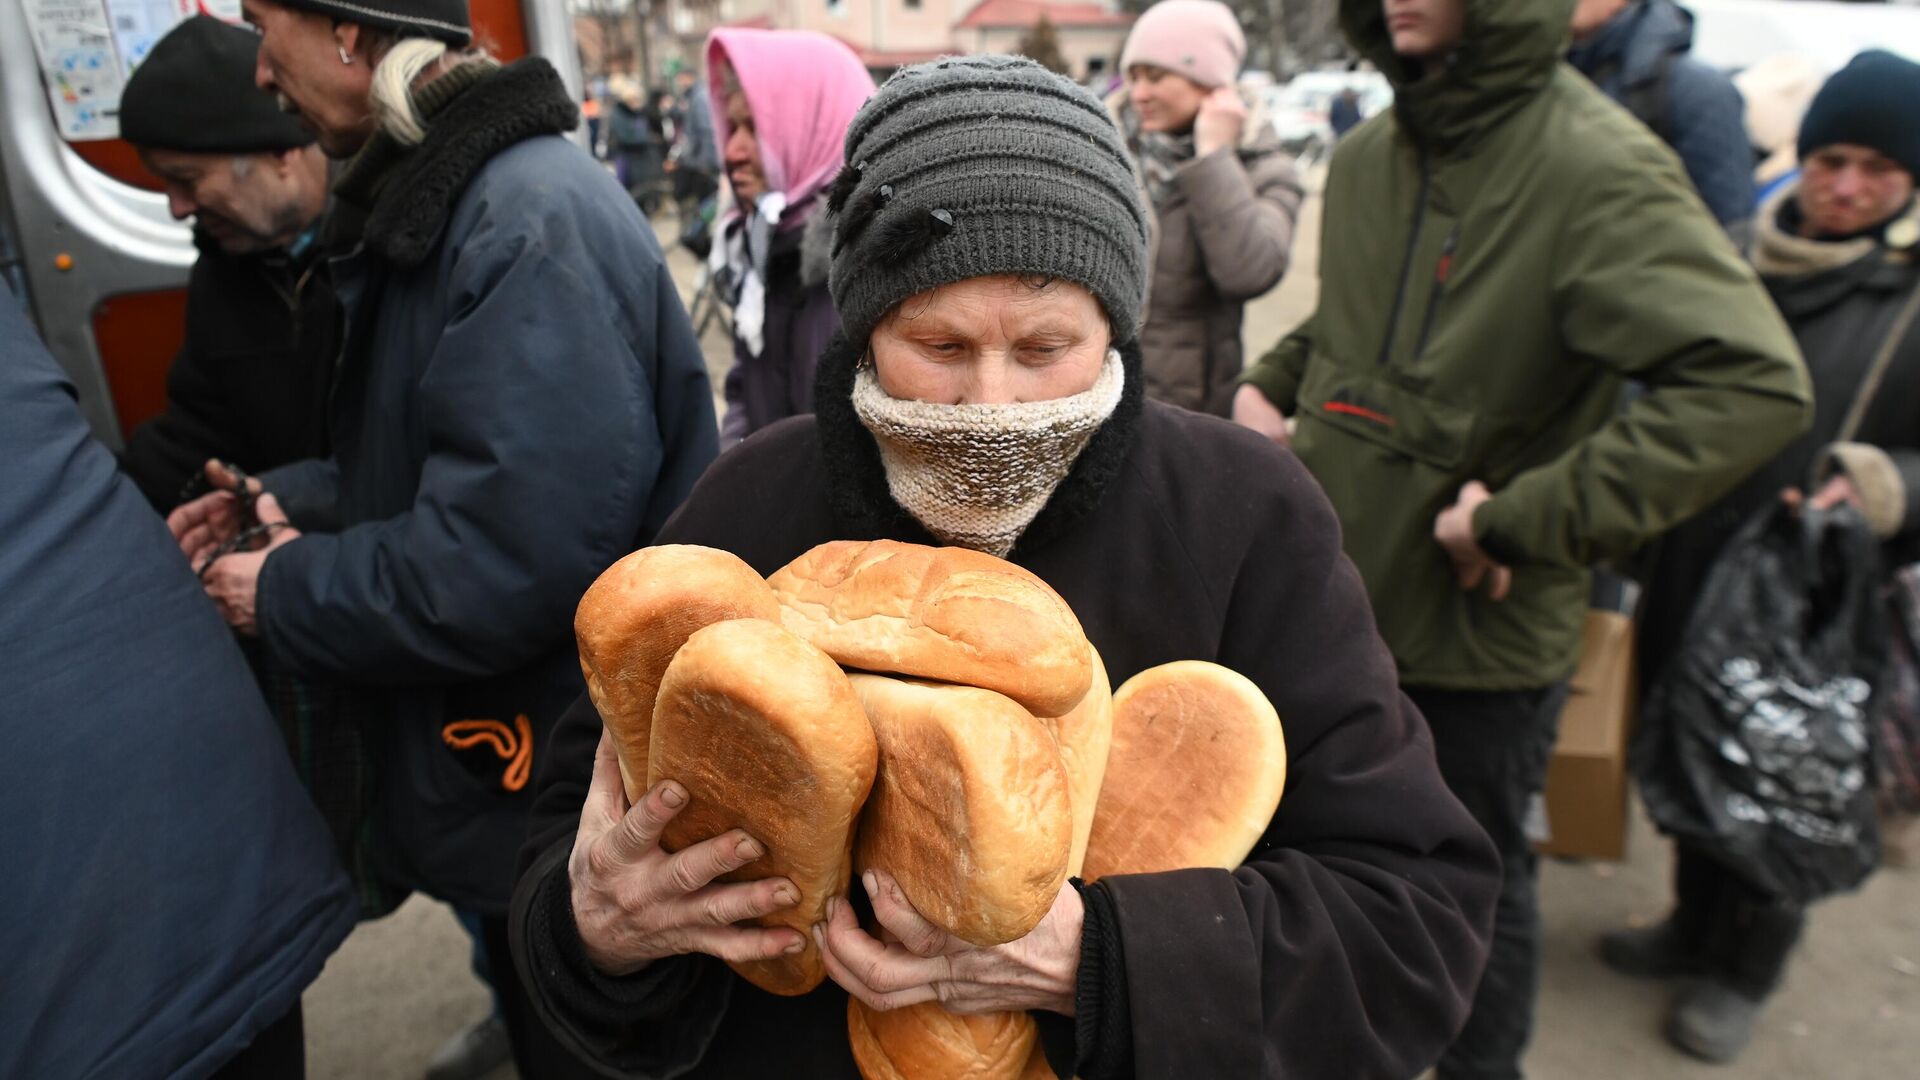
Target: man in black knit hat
(250,383)
(1839,252)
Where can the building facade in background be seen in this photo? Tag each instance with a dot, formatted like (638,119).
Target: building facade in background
(886,34)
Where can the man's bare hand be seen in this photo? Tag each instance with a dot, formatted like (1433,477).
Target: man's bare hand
(1252,409)
(1453,529)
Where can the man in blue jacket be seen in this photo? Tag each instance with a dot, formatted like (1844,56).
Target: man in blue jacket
(170,888)
(519,403)
(1639,53)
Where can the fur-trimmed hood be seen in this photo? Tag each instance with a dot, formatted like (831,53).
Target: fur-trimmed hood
(520,101)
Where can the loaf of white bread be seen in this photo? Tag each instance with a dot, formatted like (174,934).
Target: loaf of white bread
(1195,773)
(947,614)
(969,810)
(637,615)
(926,1040)
(766,735)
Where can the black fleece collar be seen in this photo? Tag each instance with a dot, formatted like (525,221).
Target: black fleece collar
(857,490)
(523,100)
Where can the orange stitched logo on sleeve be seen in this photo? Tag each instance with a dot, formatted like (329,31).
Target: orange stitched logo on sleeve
(513,744)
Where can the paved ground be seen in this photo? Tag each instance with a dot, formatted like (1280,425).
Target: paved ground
(1850,1009)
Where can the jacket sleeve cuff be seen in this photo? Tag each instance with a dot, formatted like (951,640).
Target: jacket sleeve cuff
(1883,488)
(1492,530)
(307,491)
(1103,1023)
(1270,376)
(655,1023)
(1188,966)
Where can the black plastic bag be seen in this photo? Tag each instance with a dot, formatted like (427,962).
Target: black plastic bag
(1757,744)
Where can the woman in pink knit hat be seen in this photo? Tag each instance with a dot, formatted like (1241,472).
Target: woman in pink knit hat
(782,100)
(1222,190)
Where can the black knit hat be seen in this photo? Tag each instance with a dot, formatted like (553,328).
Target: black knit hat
(446,20)
(1874,102)
(981,165)
(194,92)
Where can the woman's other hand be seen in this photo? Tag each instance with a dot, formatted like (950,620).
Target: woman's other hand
(919,962)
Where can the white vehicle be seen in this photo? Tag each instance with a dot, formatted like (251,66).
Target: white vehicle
(1299,110)
(1736,34)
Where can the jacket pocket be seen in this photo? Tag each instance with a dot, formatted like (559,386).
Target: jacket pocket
(1373,407)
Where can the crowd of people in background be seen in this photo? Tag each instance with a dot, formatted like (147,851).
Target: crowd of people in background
(1584,301)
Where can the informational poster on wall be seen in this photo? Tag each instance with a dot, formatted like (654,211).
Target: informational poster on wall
(80,65)
(88,48)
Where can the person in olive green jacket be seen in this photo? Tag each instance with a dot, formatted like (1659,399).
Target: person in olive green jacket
(1500,256)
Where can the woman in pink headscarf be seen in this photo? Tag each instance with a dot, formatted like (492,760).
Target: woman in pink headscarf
(782,103)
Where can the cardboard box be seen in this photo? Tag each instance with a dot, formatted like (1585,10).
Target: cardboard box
(1585,811)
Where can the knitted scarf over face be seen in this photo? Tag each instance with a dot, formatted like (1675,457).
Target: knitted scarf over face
(977,475)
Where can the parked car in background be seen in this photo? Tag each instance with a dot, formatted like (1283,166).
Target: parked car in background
(1299,109)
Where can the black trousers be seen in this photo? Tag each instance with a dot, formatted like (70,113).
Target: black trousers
(1740,935)
(1493,748)
(277,1053)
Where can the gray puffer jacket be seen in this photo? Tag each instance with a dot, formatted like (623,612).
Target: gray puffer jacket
(1223,236)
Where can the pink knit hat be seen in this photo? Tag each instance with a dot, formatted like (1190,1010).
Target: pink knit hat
(1197,38)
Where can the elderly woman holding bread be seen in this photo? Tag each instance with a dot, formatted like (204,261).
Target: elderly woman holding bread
(986,400)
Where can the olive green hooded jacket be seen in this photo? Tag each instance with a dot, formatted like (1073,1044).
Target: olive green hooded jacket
(1499,256)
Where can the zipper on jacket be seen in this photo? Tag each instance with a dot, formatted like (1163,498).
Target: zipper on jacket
(1441,272)
(1406,267)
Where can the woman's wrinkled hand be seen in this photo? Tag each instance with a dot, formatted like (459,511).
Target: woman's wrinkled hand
(634,903)
(919,962)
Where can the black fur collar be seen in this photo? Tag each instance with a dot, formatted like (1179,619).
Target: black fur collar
(520,101)
(857,481)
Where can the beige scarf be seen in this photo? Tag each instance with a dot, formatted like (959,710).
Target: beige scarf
(977,475)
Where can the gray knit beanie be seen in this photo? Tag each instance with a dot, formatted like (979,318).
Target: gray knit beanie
(980,165)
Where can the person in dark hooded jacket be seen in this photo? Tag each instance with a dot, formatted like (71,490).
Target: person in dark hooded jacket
(1639,52)
(1837,250)
(520,402)
(171,890)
